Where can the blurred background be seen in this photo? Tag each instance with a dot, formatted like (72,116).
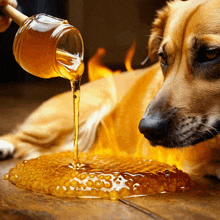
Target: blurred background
(111,24)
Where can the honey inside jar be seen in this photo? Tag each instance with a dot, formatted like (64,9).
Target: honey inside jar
(106,176)
(47,47)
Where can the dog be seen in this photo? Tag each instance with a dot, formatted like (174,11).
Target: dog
(169,111)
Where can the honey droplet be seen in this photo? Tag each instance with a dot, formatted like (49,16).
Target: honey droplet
(6,177)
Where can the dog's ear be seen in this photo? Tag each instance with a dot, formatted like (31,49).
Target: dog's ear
(157,31)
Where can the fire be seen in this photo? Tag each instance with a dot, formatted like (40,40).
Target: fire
(129,56)
(96,68)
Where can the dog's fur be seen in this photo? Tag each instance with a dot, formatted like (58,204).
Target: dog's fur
(185,109)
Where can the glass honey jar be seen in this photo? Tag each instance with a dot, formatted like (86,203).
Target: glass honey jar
(47,47)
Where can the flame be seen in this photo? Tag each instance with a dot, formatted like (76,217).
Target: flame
(129,56)
(96,68)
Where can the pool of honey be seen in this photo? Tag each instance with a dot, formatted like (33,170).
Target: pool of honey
(104,176)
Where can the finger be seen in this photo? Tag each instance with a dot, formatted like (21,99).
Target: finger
(3,2)
(4,23)
(13,3)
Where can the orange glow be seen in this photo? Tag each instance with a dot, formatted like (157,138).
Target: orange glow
(129,56)
(96,68)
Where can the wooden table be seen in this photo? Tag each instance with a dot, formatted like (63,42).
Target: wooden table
(17,101)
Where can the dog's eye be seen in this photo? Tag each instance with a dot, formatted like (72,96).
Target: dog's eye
(163,59)
(211,54)
(207,55)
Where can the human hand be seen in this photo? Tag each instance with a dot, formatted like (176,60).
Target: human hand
(5,20)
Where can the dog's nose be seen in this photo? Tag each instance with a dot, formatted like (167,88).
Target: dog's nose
(154,127)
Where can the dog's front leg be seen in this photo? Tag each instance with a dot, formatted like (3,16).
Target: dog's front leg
(42,130)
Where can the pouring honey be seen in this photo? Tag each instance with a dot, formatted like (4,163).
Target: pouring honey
(47,47)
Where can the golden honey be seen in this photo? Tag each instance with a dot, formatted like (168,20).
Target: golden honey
(47,47)
(106,176)
(75,85)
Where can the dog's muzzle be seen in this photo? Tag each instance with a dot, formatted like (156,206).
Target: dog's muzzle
(170,129)
(154,128)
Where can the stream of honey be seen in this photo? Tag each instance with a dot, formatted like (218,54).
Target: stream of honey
(69,174)
(72,68)
(75,85)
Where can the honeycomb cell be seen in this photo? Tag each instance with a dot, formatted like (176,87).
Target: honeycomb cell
(102,176)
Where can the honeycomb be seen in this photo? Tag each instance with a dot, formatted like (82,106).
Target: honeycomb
(100,176)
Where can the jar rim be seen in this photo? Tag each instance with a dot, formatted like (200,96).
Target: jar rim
(58,20)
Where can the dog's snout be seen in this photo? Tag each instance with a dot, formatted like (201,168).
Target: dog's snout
(154,127)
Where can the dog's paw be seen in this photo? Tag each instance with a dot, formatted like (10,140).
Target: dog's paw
(6,149)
